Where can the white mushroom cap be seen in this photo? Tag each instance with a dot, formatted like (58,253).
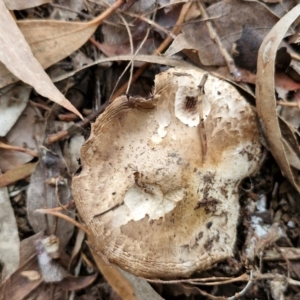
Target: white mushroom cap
(154,203)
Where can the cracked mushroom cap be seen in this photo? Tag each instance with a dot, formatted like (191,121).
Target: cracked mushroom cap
(158,189)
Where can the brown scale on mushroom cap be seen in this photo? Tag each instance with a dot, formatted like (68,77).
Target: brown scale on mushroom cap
(154,203)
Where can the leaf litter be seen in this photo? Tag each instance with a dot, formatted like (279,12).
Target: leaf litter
(39,155)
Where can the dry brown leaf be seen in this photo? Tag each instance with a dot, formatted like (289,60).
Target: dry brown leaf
(142,288)
(74,283)
(49,187)
(13,100)
(114,277)
(278,9)
(51,41)
(51,269)
(265,89)
(229,29)
(27,279)
(290,143)
(21,4)
(9,237)
(17,57)
(24,132)
(16,174)
(18,286)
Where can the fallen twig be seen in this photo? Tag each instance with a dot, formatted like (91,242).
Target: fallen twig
(55,213)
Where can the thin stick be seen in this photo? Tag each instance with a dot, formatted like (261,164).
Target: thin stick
(52,138)
(64,217)
(204,281)
(245,290)
(290,104)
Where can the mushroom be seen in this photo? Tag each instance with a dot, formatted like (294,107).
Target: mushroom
(158,189)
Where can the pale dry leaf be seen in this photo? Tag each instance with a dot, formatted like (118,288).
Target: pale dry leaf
(21,4)
(17,57)
(13,100)
(78,244)
(72,152)
(114,277)
(76,283)
(51,270)
(50,41)
(49,187)
(27,279)
(291,156)
(142,288)
(23,134)
(17,174)
(290,142)
(9,236)
(265,92)
(291,115)
(28,262)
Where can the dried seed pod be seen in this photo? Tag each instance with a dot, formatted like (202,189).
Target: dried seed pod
(158,188)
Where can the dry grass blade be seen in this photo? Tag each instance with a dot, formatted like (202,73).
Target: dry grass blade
(151,59)
(16,55)
(265,89)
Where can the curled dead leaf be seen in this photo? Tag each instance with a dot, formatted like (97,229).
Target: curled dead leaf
(17,57)
(265,95)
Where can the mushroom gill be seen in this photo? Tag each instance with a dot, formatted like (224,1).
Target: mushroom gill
(158,189)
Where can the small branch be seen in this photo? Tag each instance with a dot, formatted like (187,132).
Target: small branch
(53,138)
(290,104)
(20,149)
(64,217)
(204,281)
(245,290)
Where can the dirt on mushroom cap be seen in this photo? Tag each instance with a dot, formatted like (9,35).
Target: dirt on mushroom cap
(155,204)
